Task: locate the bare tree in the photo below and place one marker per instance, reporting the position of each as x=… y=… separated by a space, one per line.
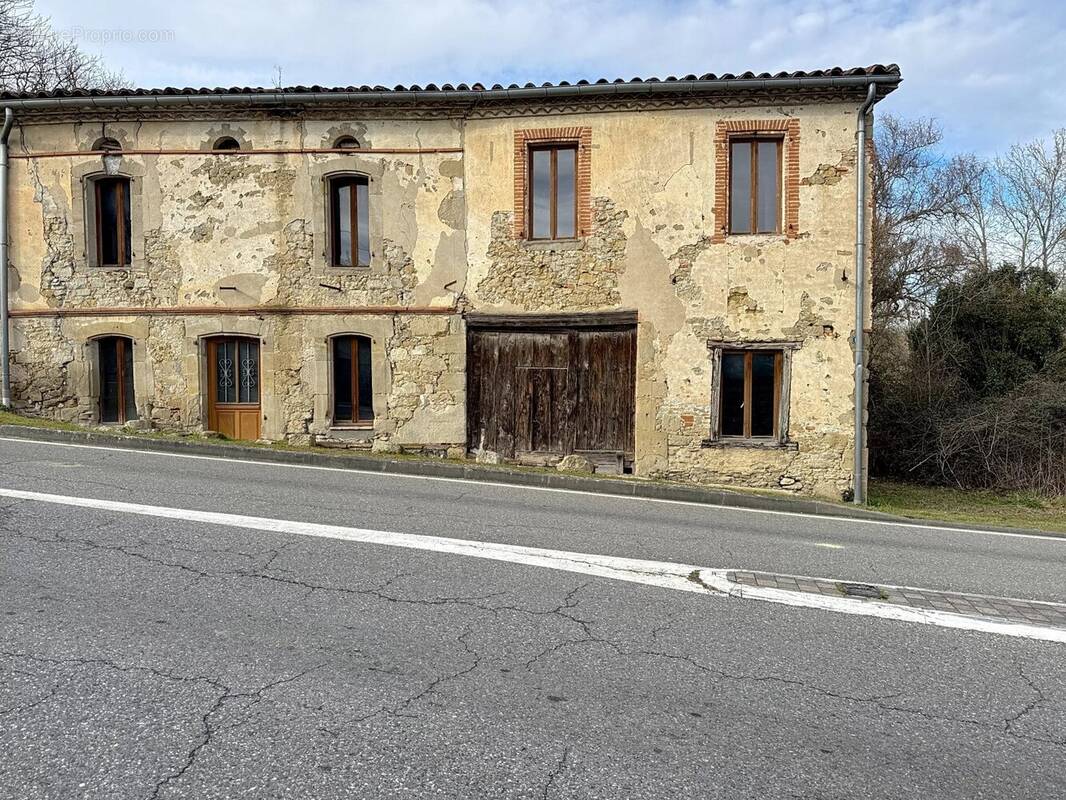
x=971 y=235
x=34 y=57
x=1032 y=202
x=911 y=197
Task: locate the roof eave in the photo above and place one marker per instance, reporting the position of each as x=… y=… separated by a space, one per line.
x=402 y=97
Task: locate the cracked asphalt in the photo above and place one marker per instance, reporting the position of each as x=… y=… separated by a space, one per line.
x=153 y=658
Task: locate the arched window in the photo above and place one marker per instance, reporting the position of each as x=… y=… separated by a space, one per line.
x=111 y=206
x=353 y=389
x=349 y=221
x=346 y=143
x=226 y=143
x=115 y=359
x=107 y=145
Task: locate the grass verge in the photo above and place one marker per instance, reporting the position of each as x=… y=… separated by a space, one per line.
x=1007 y=509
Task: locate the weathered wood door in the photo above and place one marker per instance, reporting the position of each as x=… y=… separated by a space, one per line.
x=233 y=396
x=551 y=386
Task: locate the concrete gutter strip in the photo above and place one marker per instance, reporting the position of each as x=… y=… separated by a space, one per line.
x=628 y=487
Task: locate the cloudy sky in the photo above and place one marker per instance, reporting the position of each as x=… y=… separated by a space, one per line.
x=991 y=71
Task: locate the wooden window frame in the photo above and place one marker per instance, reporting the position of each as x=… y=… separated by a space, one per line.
x=754 y=140
x=748 y=354
x=784 y=351
x=356 y=421
x=352 y=181
x=122 y=185
x=553 y=186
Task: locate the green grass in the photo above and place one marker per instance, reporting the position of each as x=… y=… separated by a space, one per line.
x=8 y=418
x=1013 y=509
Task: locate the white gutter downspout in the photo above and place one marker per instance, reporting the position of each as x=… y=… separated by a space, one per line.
x=5 y=352
x=858 y=482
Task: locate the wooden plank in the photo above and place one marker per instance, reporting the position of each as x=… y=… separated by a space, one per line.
x=475 y=345
x=524 y=409
x=544 y=322
x=505 y=380
x=559 y=391
x=628 y=388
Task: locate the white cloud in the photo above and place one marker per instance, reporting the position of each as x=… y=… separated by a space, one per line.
x=990 y=71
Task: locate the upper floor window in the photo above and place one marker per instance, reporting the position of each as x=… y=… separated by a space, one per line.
x=553 y=191
x=349 y=221
x=346 y=143
x=112 y=207
x=115 y=357
x=755 y=185
x=226 y=143
x=353 y=390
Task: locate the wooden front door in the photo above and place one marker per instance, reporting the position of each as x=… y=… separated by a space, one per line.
x=541 y=386
x=233 y=395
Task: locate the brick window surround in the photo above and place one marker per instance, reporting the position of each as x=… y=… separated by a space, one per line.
x=723 y=132
x=582 y=137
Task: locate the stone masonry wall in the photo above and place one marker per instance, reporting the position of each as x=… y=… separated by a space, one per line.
x=244 y=230
x=247 y=230
x=662 y=249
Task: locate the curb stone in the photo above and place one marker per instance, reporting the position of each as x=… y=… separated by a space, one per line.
x=630 y=487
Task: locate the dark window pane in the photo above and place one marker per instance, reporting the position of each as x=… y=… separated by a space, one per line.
x=366 y=388
x=564 y=193
x=249 y=371
x=126 y=249
x=767 y=202
x=740 y=187
x=113 y=221
x=762 y=393
x=127 y=381
x=541 y=193
x=109 y=380
x=342 y=224
x=363 y=213
x=108 y=209
x=732 y=394
x=342 y=379
x=226 y=372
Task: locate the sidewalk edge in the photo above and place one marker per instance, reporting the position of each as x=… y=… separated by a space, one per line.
x=628 y=487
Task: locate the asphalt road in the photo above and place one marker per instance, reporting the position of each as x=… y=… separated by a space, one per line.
x=144 y=657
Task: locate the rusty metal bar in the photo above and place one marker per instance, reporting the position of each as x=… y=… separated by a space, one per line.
x=208 y=311
x=265 y=152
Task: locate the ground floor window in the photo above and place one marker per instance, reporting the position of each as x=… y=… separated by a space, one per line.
x=117 y=401
x=750 y=392
x=353 y=391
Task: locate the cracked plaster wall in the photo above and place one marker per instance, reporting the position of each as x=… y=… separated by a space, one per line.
x=235 y=231
x=651 y=250
x=245 y=230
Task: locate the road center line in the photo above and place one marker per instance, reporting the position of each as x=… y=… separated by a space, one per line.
x=663 y=574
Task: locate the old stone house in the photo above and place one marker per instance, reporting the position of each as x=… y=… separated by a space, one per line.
x=656 y=275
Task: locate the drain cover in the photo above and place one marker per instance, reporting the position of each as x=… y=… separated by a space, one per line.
x=859 y=590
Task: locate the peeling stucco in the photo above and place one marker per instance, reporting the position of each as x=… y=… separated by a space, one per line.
x=248 y=230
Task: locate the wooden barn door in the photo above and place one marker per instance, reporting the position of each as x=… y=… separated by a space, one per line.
x=542 y=387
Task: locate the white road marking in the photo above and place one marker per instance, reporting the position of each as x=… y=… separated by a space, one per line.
x=716 y=579
x=663 y=574
x=906 y=525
